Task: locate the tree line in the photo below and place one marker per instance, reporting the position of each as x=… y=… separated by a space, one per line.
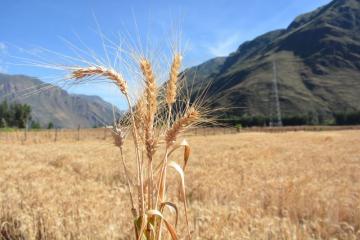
x=16 y=115
x=341 y=118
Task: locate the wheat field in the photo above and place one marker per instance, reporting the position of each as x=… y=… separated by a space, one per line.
x=291 y=185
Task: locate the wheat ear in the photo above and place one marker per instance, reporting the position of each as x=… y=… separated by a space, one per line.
x=173 y=76
x=140 y=115
x=190 y=117
x=101 y=71
x=151 y=99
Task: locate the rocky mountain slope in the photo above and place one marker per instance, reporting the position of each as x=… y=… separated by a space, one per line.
x=55 y=104
x=317 y=61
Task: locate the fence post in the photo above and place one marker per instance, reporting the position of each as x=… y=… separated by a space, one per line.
x=78 y=133
x=25 y=133
x=56 y=133
x=105 y=133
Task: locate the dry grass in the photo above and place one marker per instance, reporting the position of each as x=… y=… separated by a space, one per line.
x=295 y=185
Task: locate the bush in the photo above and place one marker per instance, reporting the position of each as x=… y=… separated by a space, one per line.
x=295 y=121
x=35 y=125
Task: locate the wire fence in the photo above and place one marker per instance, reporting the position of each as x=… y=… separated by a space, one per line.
x=75 y=135
x=54 y=135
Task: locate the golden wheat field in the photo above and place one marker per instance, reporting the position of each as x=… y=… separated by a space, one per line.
x=291 y=185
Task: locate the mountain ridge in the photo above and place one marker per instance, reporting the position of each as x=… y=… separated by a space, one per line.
x=318 y=65
x=55 y=105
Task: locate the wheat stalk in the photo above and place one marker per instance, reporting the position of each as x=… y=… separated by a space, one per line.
x=151 y=98
x=119 y=136
x=144 y=117
x=84 y=72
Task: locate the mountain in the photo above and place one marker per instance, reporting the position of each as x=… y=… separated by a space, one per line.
x=317 y=66
x=55 y=104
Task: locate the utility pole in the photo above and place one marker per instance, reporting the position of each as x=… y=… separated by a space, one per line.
x=276 y=98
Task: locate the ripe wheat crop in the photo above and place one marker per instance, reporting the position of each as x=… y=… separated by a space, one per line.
x=293 y=185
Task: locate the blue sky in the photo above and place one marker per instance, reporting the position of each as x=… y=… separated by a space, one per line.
x=210 y=28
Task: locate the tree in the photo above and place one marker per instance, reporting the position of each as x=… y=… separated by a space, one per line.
x=50 y=125
x=14 y=114
x=3 y=123
x=4 y=114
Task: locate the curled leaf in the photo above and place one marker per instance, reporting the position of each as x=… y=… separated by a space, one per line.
x=169 y=227
x=179 y=170
x=171 y=206
x=187 y=151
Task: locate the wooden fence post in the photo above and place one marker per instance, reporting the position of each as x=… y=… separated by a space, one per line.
x=105 y=133
x=25 y=133
x=56 y=134
x=78 y=133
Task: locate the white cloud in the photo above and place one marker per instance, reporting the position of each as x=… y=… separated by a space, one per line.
x=225 y=45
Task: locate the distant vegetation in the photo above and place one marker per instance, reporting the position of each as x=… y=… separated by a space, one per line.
x=347 y=118
x=16 y=115
x=344 y=118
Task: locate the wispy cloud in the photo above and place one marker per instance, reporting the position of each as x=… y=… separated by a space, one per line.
x=3 y=47
x=31 y=50
x=3 y=52
x=225 y=45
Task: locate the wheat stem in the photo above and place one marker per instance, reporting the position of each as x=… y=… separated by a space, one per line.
x=133 y=209
x=139 y=165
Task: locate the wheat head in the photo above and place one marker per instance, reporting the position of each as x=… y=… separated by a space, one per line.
x=151 y=99
x=101 y=71
x=190 y=117
x=173 y=76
